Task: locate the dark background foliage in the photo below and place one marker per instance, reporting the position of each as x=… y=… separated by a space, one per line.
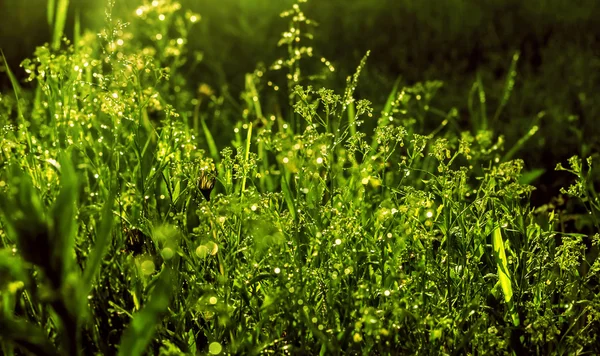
x=451 y=41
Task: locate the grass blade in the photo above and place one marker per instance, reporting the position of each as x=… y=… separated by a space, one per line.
x=503 y=273
x=64 y=217
x=101 y=246
x=509 y=85
x=15 y=84
x=212 y=147
x=482 y=107
x=59 y=23
x=50 y=7
x=141 y=329
x=532 y=131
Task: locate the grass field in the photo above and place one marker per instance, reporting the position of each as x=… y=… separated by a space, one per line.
x=144 y=210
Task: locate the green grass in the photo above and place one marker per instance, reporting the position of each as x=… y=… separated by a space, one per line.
x=320 y=237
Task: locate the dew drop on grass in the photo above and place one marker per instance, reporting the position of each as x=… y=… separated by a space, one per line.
x=277 y=270
x=167 y=253
x=148 y=267
x=213 y=300
x=215 y=348
x=202 y=251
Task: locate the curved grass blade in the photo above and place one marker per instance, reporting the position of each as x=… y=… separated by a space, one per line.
x=503 y=272
x=103 y=237
x=141 y=329
x=212 y=147
x=508 y=85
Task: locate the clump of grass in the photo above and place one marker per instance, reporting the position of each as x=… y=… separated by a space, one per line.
x=320 y=237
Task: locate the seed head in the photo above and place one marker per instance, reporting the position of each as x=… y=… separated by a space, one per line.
x=206 y=181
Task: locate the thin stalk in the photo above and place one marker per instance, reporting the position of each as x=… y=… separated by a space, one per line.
x=247 y=156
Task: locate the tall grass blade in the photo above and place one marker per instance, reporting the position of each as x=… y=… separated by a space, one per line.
x=503 y=272
x=141 y=329
x=64 y=218
x=15 y=85
x=102 y=242
x=77 y=29
x=59 y=23
x=210 y=141
x=482 y=106
x=387 y=109
x=532 y=131
x=50 y=7
x=508 y=85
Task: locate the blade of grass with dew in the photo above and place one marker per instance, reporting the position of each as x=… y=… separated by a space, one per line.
x=212 y=147
x=64 y=216
x=532 y=131
x=387 y=108
x=101 y=244
x=530 y=176
x=59 y=22
x=139 y=333
x=503 y=273
x=17 y=90
x=509 y=85
x=287 y=194
x=351 y=116
x=247 y=156
x=15 y=85
x=255 y=98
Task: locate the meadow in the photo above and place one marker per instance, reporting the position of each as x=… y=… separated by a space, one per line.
x=286 y=210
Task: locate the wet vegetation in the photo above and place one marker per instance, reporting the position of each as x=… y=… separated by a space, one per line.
x=146 y=211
